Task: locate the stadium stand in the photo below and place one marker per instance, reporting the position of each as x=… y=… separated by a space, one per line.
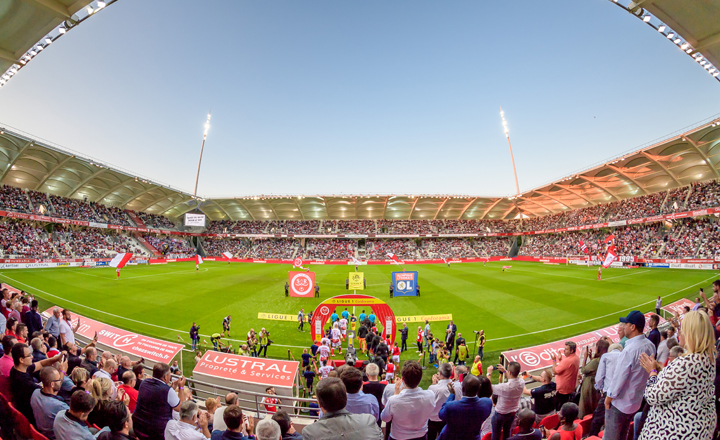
x=217 y=246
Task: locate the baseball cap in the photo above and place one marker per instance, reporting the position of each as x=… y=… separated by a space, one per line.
x=636 y=318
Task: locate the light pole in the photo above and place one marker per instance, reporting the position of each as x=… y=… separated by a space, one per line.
x=202 y=147
x=507 y=135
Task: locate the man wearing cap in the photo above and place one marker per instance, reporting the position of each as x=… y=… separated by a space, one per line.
x=628 y=381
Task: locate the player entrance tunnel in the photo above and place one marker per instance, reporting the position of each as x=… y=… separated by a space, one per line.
x=385 y=315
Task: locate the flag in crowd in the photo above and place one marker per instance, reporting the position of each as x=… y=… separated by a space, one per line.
x=583 y=247
x=610 y=256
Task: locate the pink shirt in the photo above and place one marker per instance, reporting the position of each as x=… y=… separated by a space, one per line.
x=566 y=374
x=6 y=364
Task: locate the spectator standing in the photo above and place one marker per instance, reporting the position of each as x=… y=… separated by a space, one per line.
x=589 y=396
x=681 y=396
x=52 y=325
x=337 y=422
x=185 y=428
x=33 y=321
x=603 y=377
x=128 y=386
x=120 y=422
x=45 y=403
x=658 y=304
x=234 y=422
x=439 y=387
x=543 y=396
x=626 y=389
x=157 y=399
x=464 y=417
x=287 y=430
x=508 y=402
x=71 y=424
x=654 y=335
x=357 y=401
x=566 y=372
x=662 y=350
x=410 y=410
x=67 y=332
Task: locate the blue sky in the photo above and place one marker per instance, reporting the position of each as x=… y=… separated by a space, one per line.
x=365 y=97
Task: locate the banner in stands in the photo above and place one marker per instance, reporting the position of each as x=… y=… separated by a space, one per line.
x=538 y=357
x=151 y=349
x=405 y=283
x=385 y=316
x=302 y=284
x=266 y=372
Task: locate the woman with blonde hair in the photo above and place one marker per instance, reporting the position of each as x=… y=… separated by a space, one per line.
x=102 y=391
x=82 y=380
x=681 y=396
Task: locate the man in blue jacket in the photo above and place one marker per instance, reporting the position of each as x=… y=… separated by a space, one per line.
x=464 y=417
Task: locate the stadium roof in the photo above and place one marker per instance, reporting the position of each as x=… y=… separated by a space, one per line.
x=685 y=157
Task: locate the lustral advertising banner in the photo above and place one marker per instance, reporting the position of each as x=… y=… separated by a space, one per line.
x=139 y=346
x=538 y=357
x=266 y=372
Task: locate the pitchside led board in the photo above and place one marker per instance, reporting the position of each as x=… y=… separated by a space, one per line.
x=405 y=283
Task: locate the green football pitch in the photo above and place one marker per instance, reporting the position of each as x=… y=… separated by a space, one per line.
x=528 y=304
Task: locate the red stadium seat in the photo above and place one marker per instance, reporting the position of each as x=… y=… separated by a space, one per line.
x=487 y=436
x=585 y=423
x=601 y=433
x=516 y=430
x=592 y=438
x=22 y=426
x=551 y=422
x=37 y=435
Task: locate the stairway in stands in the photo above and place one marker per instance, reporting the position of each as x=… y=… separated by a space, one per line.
x=137 y=236
x=135 y=219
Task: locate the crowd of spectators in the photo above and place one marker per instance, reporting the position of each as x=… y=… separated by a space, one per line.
x=403 y=249
x=19 y=239
x=91 y=243
x=704 y=195
x=302 y=226
x=275 y=249
x=637 y=207
x=111 y=214
x=217 y=246
x=40 y=202
x=349 y=226
x=73 y=209
x=433 y=248
x=332 y=249
x=13 y=199
x=171 y=247
x=155 y=221
x=675 y=201
x=492 y=246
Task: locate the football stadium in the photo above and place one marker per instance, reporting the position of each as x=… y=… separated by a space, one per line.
x=585 y=307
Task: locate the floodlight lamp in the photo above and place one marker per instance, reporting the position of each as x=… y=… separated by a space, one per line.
x=677 y=41
x=685 y=45
x=670 y=36
x=646 y=18
x=62 y=30
x=90 y=10
x=100 y=4
x=48 y=40
x=661 y=28
x=32 y=53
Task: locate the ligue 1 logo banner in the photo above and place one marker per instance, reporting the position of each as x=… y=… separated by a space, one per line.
x=302 y=284
x=404 y=283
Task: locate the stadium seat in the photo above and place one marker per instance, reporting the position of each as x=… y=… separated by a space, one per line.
x=601 y=433
x=592 y=438
x=551 y=422
x=487 y=436
x=22 y=426
x=586 y=422
x=36 y=435
x=516 y=430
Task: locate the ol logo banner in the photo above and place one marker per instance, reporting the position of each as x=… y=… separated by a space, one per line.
x=302 y=284
x=404 y=283
x=356 y=281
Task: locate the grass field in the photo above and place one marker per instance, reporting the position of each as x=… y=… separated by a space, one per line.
x=528 y=304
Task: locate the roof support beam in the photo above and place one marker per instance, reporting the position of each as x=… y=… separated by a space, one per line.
x=155 y=202
x=221 y=209
x=666 y=169
x=7 y=55
x=491 y=207
x=55 y=6
x=600 y=187
x=15 y=159
x=114 y=188
x=417 y=198
x=538 y=204
x=50 y=173
x=385 y=206
x=440 y=208
x=245 y=208
x=512 y=208
x=627 y=177
x=704 y=156
x=302 y=214
x=466 y=207
x=577 y=193
x=706 y=42
x=552 y=198
x=133 y=197
x=84 y=181
x=187 y=199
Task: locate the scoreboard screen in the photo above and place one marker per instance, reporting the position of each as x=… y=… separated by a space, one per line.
x=405 y=283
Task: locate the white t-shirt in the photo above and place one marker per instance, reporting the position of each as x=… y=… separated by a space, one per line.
x=324 y=341
x=343 y=324
x=66 y=331
x=335 y=334
x=324 y=351
x=325 y=370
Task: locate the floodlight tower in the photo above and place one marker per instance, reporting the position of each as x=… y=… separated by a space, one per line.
x=512 y=158
x=202 y=147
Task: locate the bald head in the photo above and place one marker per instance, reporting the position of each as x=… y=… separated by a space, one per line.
x=231 y=399
x=110 y=366
x=126 y=362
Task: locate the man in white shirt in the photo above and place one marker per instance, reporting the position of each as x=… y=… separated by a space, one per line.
x=605 y=372
x=184 y=429
x=67 y=332
x=440 y=390
x=663 y=351
x=409 y=410
x=109 y=368
x=658 y=305
x=508 y=402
